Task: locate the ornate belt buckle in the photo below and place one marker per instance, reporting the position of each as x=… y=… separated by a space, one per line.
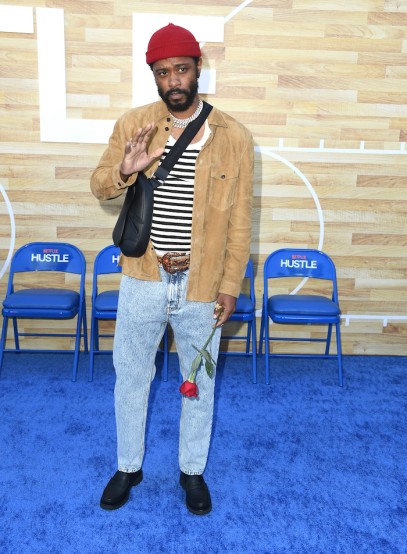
x=166 y=261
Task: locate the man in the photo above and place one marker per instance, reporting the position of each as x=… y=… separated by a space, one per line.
x=194 y=265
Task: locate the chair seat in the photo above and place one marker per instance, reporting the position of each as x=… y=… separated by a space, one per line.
x=244 y=309
x=44 y=299
x=107 y=301
x=302 y=304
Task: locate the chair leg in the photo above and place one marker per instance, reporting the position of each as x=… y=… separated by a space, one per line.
x=266 y=347
x=77 y=345
x=93 y=328
x=16 y=339
x=328 y=339
x=85 y=328
x=254 y=350
x=3 y=340
x=261 y=333
x=339 y=353
x=96 y=334
x=248 y=336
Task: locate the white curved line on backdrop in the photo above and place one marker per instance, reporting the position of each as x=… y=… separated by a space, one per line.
x=237 y=10
x=12 y=234
x=311 y=190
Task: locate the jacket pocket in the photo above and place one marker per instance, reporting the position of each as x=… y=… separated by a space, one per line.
x=222 y=189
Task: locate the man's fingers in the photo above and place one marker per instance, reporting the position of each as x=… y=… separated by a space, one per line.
x=224 y=308
x=219 y=315
x=142 y=134
x=136 y=156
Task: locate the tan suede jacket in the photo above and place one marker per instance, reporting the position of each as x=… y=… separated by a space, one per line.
x=221 y=221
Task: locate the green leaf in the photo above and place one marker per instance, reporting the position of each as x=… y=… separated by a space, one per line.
x=196 y=362
x=207 y=356
x=209 y=368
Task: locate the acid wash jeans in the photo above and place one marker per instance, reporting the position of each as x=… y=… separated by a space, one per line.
x=144 y=309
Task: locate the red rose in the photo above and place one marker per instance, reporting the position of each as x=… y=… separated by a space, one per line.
x=189 y=389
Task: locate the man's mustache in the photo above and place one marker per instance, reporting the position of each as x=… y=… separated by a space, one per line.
x=175 y=91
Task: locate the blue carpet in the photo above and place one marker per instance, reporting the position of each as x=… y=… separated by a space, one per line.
x=299 y=466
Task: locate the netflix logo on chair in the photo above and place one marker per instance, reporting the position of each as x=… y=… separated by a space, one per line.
x=299 y=260
x=50 y=255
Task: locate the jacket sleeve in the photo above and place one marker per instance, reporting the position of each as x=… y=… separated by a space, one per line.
x=105 y=182
x=240 y=224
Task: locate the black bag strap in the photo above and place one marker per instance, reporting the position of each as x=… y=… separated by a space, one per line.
x=176 y=151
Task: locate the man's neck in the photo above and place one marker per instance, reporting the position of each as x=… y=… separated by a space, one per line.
x=187 y=113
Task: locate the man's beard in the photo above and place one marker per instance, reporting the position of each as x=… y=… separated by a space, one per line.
x=179 y=106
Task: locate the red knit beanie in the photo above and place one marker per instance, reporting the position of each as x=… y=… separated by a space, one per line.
x=171 y=42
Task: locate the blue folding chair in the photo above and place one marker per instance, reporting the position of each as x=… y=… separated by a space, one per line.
x=38 y=302
x=104 y=306
x=245 y=312
x=104 y=303
x=301 y=309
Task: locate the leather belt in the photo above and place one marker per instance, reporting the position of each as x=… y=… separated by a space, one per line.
x=173 y=262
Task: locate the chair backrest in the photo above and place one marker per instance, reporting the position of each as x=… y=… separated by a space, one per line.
x=107 y=261
x=47 y=256
x=301 y=262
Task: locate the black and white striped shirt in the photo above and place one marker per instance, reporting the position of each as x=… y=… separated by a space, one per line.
x=173 y=202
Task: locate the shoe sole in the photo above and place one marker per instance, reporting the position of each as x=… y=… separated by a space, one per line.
x=198 y=512
x=111 y=507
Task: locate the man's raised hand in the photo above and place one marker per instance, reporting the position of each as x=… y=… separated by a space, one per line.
x=136 y=157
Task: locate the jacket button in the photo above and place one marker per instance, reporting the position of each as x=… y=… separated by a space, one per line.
x=223 y=176
x=168 y=119
x=167 y=129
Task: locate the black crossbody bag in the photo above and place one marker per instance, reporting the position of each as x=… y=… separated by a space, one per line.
x=133 y=227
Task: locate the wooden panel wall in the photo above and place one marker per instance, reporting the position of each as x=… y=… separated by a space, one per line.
x=321 y=84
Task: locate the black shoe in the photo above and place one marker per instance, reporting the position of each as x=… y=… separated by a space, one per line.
x=198 y=498
x=118 y=488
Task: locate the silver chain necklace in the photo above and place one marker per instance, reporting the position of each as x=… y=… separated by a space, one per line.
x=182 y=123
